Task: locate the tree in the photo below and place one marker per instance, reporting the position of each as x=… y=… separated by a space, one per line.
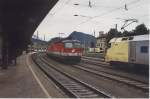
x=140 y=30
x=111 y=34
x=125 y=33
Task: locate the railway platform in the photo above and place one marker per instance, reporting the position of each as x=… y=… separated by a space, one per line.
x=22 y=81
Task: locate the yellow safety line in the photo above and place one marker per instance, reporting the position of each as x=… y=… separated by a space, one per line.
x=37 y=79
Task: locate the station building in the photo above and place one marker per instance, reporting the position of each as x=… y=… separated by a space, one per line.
x=101 y=41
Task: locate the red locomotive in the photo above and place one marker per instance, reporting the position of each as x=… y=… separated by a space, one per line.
x=66 y=50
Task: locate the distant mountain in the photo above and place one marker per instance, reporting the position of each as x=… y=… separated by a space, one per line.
x=55 y=39
x=86 y=39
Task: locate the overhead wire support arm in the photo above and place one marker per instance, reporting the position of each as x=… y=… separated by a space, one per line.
x=127 y=24
x=90 y=5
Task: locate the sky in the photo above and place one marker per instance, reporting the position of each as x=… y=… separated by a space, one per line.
x=99 y=15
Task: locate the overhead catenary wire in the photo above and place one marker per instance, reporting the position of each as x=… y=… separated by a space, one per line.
x=110 y=11
x=59 y=9
x=79 y=10
x=131 y=3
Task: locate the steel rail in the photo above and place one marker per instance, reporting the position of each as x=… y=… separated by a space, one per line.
x=71 y=85
x=132 y=82
x=103 y=65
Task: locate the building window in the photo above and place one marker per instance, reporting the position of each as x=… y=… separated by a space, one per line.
x=144 y=49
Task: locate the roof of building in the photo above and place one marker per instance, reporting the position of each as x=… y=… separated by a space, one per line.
x=102 y=36
x=131 y=38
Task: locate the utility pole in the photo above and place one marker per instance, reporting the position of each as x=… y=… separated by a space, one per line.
x=44 y=37
x=116 y=27
x=61 y=34
x=37 y=39
x=94 y=32
x=116 y=30
x=90 y=5
x=37 y=34
x=94 y=43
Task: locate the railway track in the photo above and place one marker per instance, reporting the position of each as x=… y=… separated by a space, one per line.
x=123 y=79
x=95 y=61
x=93 y=58
x=116 y=77
x=101 y=62
x=115 y=72
x=71 y=85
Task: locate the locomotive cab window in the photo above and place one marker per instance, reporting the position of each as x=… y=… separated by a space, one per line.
x=144 y=49
x=72 y=45
x=77 y=45
x=68 y=45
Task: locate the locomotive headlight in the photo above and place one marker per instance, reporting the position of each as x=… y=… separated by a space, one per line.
x=73 y=50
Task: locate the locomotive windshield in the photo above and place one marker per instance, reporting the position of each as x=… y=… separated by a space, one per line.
x=77 y=45
x=68 y=45
x=72 y=45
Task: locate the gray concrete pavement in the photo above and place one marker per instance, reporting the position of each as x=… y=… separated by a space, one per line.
x=19 y=82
